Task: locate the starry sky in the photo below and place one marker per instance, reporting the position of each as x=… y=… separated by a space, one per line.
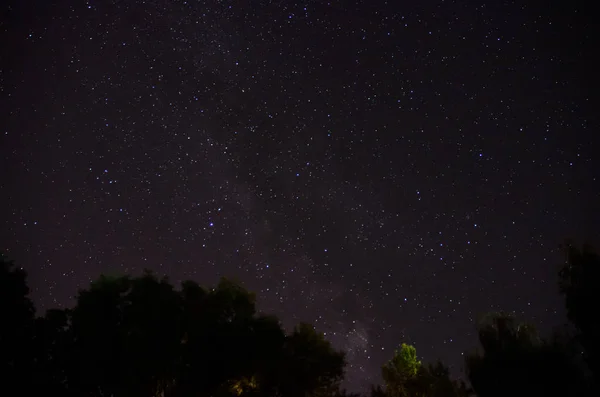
x=385 y=170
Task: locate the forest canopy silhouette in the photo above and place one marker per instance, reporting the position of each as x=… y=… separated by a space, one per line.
x=142 y=336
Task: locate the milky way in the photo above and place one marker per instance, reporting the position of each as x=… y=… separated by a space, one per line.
x=384 y=171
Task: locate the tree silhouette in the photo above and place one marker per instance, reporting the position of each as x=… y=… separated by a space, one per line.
x=400 y=370
x=377 y=391
x=516 y=361
x=227 y=342
x=578 y=283
x=16 y=328
x=52 y=343
x=405 y=376
x=435 y=381
x=310 y=364
x=142 y=337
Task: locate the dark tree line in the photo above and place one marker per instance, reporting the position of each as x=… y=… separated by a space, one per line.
x=141 y=336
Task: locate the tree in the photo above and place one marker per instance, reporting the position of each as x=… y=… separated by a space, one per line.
x=53 y=344
x=224 y=340
x=578 y=283
x=435 y=381
x=309 y=365
x=405 y=376
x=377 y=391
x=142 y=337
x=400 y=370
x=16 y=328
x=516 y=361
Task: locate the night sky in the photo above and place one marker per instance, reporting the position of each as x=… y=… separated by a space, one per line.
x=384 y=170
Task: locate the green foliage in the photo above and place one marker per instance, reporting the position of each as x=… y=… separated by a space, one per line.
x=400 y=370
x=405 y=376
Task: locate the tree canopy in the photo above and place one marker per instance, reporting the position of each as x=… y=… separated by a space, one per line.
x=405 y=376
x=579 y=284
x=17 y=325
x=142 y=336
x=516 y=361
x=139 y=336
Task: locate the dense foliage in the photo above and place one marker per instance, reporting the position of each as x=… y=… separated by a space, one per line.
x=141 y=336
